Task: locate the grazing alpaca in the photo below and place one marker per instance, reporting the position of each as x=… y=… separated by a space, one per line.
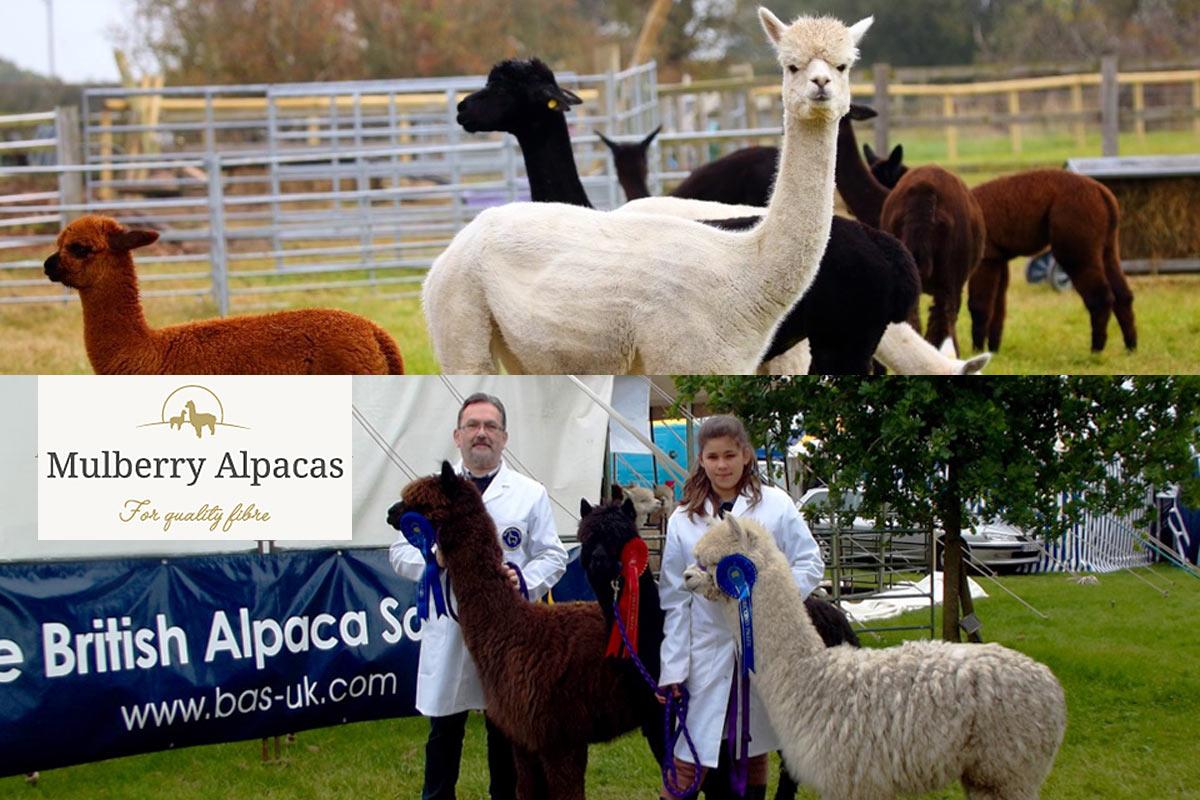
x=1076 y=216
x=875 y=723
x=933 y=213
x=604 y=531
x=201 y=421
x=545 y=681
x=632 y=164
x=93 y=257
x=533 y=284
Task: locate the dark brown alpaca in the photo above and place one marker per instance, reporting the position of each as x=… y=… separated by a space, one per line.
x=631 y=164
x=545 y=680
x=1076 y=216
x=93 y=256
x=932 y=212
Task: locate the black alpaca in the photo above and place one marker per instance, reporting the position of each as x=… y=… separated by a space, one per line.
x=866 y=279
x=603 y=533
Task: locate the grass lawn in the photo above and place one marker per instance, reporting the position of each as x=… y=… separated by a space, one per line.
x=1126 y=656
x=1047 y=332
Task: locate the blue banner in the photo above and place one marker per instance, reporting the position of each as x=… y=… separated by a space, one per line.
x=138 y=655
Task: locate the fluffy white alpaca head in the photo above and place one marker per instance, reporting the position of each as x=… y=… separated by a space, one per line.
x=726 y=537
x=816 y=54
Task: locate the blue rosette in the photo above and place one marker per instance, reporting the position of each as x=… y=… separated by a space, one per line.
x=735 y=577
x=418 y=530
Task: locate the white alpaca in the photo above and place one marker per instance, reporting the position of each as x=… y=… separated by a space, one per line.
x=871 y=724
x=550 y=288
x=902 y=349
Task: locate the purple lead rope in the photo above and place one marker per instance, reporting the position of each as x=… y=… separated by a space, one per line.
x=676 y=708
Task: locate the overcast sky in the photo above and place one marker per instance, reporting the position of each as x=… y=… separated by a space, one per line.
x=82 y=44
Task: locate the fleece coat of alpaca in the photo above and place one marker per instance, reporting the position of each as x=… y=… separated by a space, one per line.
x=872 y=724
x=1075 y=216
x=545 y=681
x=94 y=257
x=603 y=533
x=931 y=211
x=549 y=288
x=1078 y=218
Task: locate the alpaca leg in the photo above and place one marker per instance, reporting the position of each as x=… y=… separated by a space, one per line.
x=1098 y=299
x=1122 y=295
x=942 y=316
x=999 y=309
x=502 y=778
x=531 y=783
x=981 y=299
x=565 y=772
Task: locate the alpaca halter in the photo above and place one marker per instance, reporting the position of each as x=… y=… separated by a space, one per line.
x=418 y=530
x=735 y=577
x=635 y=556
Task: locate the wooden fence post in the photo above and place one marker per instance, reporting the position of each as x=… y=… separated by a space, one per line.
x=1077 y=108
x=882 y=73
x=951 y=128
x=1139 y=108
x=70 y=153
x=1014 y=127
x=1196 y=106
x=1109 y=108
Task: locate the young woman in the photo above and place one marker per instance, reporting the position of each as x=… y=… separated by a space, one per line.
x=698 y=648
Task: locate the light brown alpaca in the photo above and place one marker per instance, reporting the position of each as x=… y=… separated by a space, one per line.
x=93 y=257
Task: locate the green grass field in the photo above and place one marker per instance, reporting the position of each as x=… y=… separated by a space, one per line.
x=1126 y=656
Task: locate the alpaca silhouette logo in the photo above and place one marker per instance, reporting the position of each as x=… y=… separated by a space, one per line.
x=511 y=538
x=199 y=409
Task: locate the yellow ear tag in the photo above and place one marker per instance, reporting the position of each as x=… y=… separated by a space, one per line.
x=553 y=103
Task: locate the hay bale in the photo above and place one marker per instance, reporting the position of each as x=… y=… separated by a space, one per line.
x=1158 y=217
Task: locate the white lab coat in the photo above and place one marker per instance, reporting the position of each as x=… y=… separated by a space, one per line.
x=447 y=679
x=698 y=648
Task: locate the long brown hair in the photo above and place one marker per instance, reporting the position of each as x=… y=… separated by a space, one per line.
x=698 y=493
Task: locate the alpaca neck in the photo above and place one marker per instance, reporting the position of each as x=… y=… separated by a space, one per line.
x=550 y=164
x=791 y=239
x=863 y=195
x=781 y=641
x=634 y=186
x=113 y=322
x=484 y=594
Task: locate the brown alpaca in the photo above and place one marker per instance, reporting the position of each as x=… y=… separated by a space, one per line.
x=1075 y=216
x=932 y=212
x=1078 y=218
x=93 y=257
x=545 y=680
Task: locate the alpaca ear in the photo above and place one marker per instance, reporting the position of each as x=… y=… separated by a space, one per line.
x=773 y=26
x=617 y=492
x=947 y=348
x=607 y=141
x=448 y=478
x=858 y=112
x=646 y=142
x=126 y=240
x=859 y=29
x=627 y=508
x=557 y=94
x=736 y=527
x=897 y=156
x=975 y=365
x=585 y=507
x=870 y=155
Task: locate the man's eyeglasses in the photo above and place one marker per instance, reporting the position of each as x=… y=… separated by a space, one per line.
x=474 y=425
